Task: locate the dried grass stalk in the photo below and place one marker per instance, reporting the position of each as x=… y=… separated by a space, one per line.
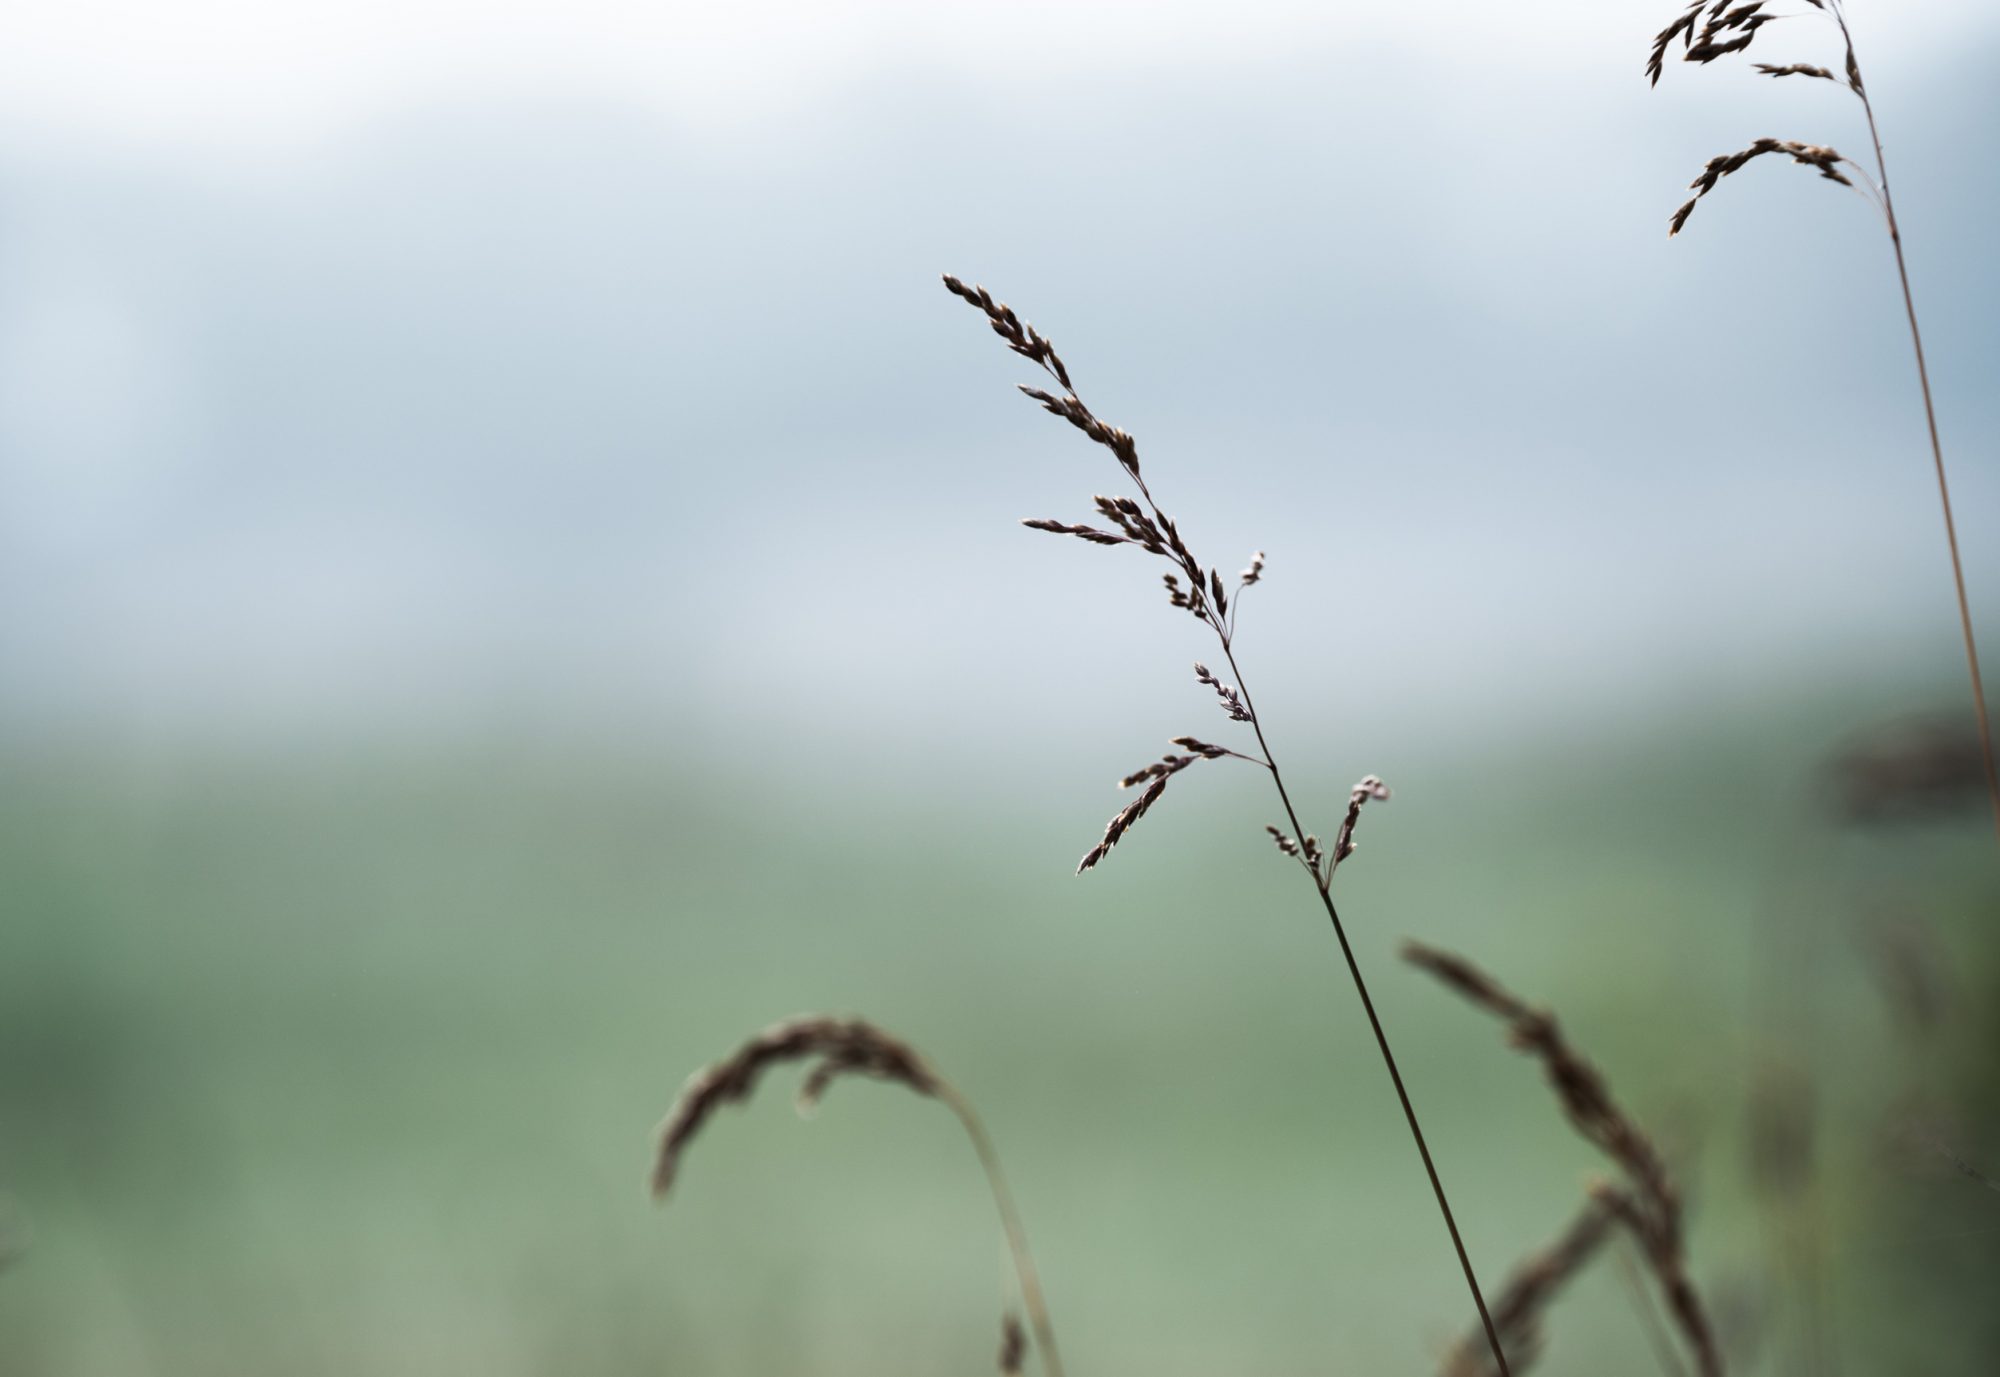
x=1204 y=596
x=1730 y=29
x=852 y=1047
x=841 y=1046
x=1652 y=1208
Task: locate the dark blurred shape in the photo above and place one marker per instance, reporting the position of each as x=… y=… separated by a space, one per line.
x=1905 y=959
x=1922 y=1139
x=1013 y=1343
x=1909 y=770
x=1743 y=1316
x=13 y=1234
x=1781 y=1131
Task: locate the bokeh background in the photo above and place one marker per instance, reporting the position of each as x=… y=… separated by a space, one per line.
x=509 y=583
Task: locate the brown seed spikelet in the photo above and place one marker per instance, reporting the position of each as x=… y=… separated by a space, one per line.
x=1825 y=159
x=1020 y=337
x=844 y=1046
x=1159 y=769
x=1131 y=518
x=1683 y=29
x=1231 y=700
x=1089 y=533
x=1370 y=789
x=1174 y=764
x=1652 y=1210
x=1122 y=824
x=1711 y=44
x=1013 y=1343
x=1072 y=409
x=1803 y=69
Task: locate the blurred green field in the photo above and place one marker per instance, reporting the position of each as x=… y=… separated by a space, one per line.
x=323 y=1065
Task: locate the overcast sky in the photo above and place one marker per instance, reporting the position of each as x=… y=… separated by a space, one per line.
x=210 y=75
x=365 y=365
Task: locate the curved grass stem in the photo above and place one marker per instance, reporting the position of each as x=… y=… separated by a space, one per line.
x=1010 y=1223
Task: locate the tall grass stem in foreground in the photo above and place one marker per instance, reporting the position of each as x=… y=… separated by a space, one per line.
x=1727 y=29
x=843 y=1047
x=1142 y=524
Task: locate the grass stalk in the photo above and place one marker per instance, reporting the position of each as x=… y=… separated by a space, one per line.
x=854 y=1047
x=1650 y=1208
x=1860 y=89
x=1025 y=1275
x=1711 y=31
x=1381 y=1035
x=1141 y=523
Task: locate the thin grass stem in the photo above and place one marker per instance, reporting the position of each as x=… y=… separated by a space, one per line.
x=1375 y=1024
x=1010 y=1224
x=1152 y=530
x=1860 y=89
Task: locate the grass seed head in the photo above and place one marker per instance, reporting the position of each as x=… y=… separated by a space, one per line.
x=1651 y=1208
x=841 y=1046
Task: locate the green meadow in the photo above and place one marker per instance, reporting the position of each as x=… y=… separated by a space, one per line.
x=338 y=1064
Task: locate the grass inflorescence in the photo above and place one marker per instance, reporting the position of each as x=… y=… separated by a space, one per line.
x=1204 y=593
x=839 y=1047
x=1711 y=29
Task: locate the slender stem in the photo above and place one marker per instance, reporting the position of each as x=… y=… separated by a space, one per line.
x=1930 y=416
x=1223 y=630
x=1647 y=1311
x=1010 y=1223
x=1374 y=1022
